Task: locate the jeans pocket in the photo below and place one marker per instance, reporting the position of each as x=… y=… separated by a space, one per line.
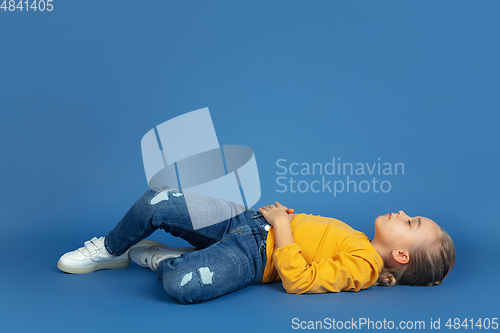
x=242 y=230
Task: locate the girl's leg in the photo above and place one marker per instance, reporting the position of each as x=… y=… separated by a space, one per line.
x=168 y=210
x=225 y=266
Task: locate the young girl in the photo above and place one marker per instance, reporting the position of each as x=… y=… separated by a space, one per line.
x=308 y=253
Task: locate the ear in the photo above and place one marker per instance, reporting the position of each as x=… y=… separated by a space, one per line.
x=401 y=256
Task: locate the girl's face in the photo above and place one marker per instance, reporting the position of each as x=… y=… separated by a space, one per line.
x=399 y=232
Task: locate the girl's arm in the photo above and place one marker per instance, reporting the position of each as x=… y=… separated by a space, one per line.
x=353 y=269
x=278 y=217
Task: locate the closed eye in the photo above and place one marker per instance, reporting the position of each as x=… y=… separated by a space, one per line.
x=409 y=222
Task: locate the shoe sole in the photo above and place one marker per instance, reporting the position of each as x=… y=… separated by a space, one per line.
x=92 y=268
x=165 y=247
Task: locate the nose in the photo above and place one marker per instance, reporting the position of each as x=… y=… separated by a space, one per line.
x=402 y=214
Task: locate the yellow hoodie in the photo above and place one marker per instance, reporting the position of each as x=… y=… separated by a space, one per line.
x=327 y=256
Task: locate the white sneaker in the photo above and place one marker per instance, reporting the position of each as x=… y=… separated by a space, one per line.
x=91 y=257
x=149 y=253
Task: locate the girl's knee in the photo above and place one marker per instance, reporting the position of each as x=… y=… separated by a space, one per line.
x=183 y=288
x=148 y=195
x=190 y=285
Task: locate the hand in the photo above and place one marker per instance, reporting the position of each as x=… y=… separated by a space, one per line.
x=288 y=210
x=276 y=213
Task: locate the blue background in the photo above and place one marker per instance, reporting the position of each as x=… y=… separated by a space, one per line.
x=406 y=82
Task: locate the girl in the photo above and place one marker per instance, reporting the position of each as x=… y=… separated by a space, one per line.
x=308 y=253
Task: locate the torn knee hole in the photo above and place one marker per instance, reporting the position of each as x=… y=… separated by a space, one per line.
x=206 y=277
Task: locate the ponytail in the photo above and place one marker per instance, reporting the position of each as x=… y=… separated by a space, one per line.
x=386 y=278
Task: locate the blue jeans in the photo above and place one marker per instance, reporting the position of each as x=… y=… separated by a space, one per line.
x=229 y=255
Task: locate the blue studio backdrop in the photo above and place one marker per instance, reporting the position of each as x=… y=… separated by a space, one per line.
x=410 y=86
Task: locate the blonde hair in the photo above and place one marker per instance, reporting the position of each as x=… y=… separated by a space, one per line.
x=428 y=265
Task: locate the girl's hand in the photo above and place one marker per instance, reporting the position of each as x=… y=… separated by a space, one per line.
x=275 y=214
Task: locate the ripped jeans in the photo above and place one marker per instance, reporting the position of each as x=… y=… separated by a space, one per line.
x=229 y=256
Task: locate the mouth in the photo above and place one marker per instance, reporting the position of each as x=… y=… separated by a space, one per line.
x=389 y=215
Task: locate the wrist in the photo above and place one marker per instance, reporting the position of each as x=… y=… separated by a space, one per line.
x=281 y=221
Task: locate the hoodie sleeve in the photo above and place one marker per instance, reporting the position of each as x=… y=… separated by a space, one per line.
x=348 y=271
